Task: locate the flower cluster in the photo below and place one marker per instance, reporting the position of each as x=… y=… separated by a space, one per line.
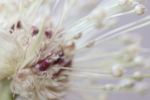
x=52 y=47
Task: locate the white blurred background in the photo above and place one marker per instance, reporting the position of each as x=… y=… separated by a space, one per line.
x=145 y=33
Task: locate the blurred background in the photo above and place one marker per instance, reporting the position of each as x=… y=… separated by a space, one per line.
x=145 y=33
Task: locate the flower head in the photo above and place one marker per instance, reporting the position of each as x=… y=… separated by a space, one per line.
x=47 y=50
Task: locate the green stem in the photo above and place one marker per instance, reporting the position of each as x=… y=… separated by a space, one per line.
x=5 y=93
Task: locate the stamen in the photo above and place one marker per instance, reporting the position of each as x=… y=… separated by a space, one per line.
x=61 y=18
x=126 y=31
x=121 y=28
x=114 y=6
x=121 y=14
x=84 y=70
x=118 y=29
x=19 y=24
x=48 y=34
x=85 y=58
x=60 y=55
x=53 y=93
x=35 y=31
x=32 y=9
x=32 y=50
x=55 y=6
x=103 y=76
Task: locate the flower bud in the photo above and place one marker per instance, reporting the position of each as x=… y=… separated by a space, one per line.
x=141 y=88
x=109 y=87
x=138 y=76
x=90 y=44
x=147 y=63
x=139 y=60
x=134 y=49
x=70 y=45
x=135 y=4
x=125 y=57
x=139 y=0
x=117 y=70
x=98 y=15
x=103 y=96
x=129 y=39
x=125 y=3
x=112 y=23
x=140 y=9
x=127 y=83
x=78 y=36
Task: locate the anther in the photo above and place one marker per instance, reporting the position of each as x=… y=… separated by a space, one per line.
x=140 y=9
x=117 y=70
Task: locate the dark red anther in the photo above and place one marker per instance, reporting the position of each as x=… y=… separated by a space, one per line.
x=48 y=34
x=60 y=53
x=12 y=28
x=43 y=65
x=60 y=59
x=35 y=32
x=19 y=24
x=50 y=54
x=68 y=64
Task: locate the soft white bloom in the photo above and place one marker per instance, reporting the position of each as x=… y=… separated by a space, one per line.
x=140 y=9
x=52 y=47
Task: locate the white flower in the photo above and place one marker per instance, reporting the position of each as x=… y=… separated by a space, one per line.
x=50 y=47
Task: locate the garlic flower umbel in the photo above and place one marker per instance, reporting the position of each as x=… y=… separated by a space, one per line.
x=49 y=47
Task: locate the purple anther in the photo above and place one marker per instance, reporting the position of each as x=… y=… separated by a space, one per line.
x=60 y=59
x=48 y=34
